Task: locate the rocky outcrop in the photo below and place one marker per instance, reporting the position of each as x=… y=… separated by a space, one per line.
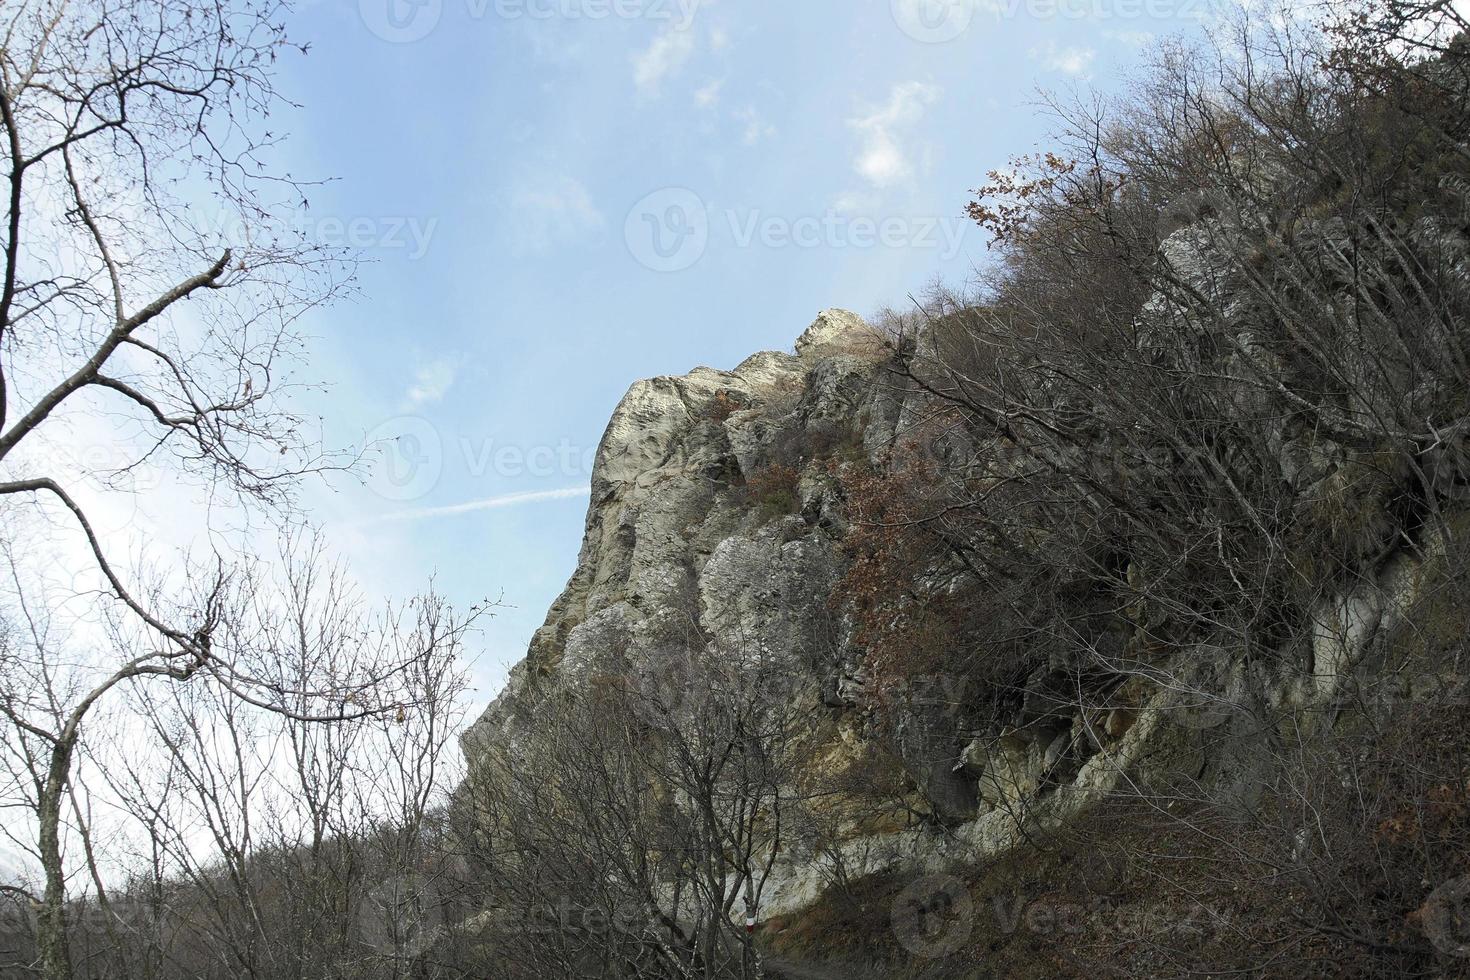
x=713 y=511
x=716 y=514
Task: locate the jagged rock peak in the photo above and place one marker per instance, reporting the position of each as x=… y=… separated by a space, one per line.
x=677 y=536
x=838 y=330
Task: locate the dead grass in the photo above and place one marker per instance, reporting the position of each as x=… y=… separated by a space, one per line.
x=1127 y=893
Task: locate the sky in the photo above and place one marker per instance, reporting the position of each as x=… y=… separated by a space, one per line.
x=556 y=198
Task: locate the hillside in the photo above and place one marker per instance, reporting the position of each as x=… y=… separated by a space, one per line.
x=1107 y=616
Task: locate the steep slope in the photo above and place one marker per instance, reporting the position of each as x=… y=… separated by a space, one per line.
x=718 y=512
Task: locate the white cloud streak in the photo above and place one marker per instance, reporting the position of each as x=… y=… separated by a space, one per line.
x=553 y=212
x=755 y=127
x=709 y=96
x=663 y=59
x=1068 y=61
x=430 y=384
x=489 y=503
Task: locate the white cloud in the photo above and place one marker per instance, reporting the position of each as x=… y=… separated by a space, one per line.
x=1133 y=39
x=430 y=383
x=709 y=96
x=719 y=39
x=665 y=57
x=1070 y=60
x=489 y=503
x=883 y=158
x=553 y=212
x=756 y=128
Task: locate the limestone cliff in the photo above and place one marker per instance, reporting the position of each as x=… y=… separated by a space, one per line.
x=674 y=535
x=717 y=508
x=1138 y=573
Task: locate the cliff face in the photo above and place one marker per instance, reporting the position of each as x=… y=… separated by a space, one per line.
x=717 y=513
x=716 y=529
x=677 y=538
x=1152 y=553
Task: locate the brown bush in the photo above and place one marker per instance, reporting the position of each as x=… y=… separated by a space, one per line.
x=722 y=406
x=774 y=490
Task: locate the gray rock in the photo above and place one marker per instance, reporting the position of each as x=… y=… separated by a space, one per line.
x=671 y=548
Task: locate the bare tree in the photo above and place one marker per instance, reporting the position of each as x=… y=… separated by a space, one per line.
x=635 y=828
x=255 y=841
x=149 y=287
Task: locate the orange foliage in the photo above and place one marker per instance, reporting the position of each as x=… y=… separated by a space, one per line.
x=902 y=633
x=723 y=406
x=1004 y=206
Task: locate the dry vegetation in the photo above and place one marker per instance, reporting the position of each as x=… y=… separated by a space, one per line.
x=1213 y=385
x=1215 y=381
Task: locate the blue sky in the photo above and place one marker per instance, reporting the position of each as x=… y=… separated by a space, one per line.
x=558 y=197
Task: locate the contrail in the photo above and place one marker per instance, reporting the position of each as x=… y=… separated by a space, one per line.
x=489 y=503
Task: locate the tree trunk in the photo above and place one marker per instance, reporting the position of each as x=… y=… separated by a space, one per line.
x=51 y=934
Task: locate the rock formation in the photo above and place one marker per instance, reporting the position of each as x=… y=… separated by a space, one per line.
x=717 y=511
